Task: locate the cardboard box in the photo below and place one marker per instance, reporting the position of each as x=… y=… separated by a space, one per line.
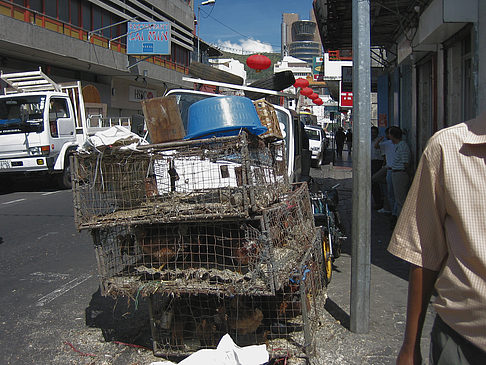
x=163 y=119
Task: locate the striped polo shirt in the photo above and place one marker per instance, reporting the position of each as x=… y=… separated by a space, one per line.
x=402 y=156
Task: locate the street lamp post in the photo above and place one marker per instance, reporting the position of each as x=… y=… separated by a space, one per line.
x=207 y=2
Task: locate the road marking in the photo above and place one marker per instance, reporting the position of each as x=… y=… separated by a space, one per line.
x=51 y=192
x=62 y=290
x=47 y=234
x=14 y=201
x=49 y=276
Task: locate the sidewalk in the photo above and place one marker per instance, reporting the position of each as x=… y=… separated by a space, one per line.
x=388 y=295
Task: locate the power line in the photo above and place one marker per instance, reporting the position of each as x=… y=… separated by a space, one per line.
x=208 y=15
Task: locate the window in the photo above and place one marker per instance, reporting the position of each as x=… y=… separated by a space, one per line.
x=63 y=10
x=106 y=21
x=75 y=13
x=86 y=16
x=96 y=16
x=36 y=5
x=57 y=109
x=51 y=8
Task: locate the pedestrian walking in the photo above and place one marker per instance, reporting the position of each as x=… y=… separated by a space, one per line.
x=441 y=233
x=401 y=169
x=340 y=138
x=376 y=165
x=349 y=140
x=384 y=176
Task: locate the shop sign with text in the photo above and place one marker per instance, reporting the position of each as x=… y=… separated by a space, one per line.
x=139 y=93
x=148 y=38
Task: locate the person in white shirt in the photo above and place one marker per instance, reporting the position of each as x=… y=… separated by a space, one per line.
x=376 y=165
x=387 y=149
x=400 y=168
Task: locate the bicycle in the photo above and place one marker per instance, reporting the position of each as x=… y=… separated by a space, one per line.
x=326 y=216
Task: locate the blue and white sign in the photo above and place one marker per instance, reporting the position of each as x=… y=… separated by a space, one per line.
x=148 y=38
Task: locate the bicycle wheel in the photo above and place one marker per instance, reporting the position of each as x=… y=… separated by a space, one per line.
x=326 y=249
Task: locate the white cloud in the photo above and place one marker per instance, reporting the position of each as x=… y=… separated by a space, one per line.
x=246 y=46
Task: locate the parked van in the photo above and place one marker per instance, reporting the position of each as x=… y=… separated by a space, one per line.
x=318 y=143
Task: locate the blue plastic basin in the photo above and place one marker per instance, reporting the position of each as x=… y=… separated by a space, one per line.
x=222 y=116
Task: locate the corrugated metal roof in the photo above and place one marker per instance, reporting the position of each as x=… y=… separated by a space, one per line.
x=389 y=19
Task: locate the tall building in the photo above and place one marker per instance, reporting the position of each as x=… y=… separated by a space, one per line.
x=300 y=38
x=87 y=40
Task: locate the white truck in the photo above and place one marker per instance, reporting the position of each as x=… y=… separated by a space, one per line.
x=292 y=130
x=41 y=125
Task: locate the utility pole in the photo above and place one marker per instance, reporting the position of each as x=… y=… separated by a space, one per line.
x=208 y=2
x=361 y=225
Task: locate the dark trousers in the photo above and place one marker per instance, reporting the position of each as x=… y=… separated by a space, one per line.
x=376 y=165
x=339 y=149
x=447 y=347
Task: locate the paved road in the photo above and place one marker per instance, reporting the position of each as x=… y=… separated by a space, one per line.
x=49 y=288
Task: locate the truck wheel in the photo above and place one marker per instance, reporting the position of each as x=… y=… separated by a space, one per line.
x=276 y=82
x=64 y=179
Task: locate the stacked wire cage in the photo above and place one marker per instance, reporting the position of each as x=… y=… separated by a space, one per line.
x=211 y=226
x=217 y=178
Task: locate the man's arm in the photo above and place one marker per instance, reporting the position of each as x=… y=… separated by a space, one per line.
x=420 y=285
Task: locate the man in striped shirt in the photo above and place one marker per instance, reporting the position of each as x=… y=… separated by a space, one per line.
x=400 y=168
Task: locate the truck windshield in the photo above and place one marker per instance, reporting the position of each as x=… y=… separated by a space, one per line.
x=313 y=134
x=22 y=114
x=284 y=121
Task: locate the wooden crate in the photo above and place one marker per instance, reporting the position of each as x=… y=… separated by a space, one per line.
x=269 y=119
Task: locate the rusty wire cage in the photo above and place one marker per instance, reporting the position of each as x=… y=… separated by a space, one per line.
x=218 y=178
x=285 y=321
x=251 y=256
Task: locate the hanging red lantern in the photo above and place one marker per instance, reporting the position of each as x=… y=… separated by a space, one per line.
x=313 y=96
x=318 y=101
x=306 y=91
x=258 y=62
x=301 y=83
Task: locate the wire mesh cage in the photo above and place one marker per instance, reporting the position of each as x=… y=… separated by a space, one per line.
x=285 y=322
x=221 y=178
x=250 y=256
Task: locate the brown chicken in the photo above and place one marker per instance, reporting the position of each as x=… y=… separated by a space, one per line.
x=159 y=243
x=206 y=332
x=246 y=253
x=243 y=319
x=177 y=332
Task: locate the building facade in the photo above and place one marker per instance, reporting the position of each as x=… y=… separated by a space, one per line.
x=86 y=40
x=434 y=57
x=300 y=38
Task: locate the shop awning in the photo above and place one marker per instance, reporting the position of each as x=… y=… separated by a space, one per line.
x=389 y=20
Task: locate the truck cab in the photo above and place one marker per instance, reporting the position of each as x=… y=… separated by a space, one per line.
x=41 y=124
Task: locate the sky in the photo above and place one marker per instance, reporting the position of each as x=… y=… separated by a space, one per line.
x=248 y=25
